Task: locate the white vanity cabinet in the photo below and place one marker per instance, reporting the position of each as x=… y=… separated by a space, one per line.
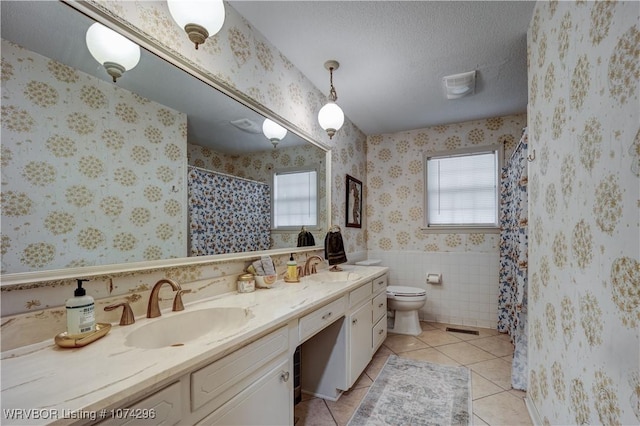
x=251 y=386
x=334 y=358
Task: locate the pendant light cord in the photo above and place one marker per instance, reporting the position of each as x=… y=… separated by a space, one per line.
x=333 y=96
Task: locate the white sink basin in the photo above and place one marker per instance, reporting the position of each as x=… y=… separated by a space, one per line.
x=180 y=328
x=342 y=276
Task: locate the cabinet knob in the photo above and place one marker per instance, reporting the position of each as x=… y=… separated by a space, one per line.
x=284 y=376
x=325 y=316
x=355 y=321
x=380 y=305
x=381 y=331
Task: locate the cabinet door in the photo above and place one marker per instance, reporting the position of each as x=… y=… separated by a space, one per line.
x=360 y=341
x=269 y=401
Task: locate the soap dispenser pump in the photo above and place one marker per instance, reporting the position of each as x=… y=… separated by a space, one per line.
x=81 y=318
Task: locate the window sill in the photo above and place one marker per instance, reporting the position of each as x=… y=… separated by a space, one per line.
x=460 y=229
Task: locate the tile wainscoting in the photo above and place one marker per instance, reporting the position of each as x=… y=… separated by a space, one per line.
x=468 y=294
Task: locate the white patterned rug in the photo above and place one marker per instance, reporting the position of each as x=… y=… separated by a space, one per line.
x=409 y=392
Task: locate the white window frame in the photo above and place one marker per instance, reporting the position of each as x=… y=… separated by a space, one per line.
x=498 y=151
x=306 y=169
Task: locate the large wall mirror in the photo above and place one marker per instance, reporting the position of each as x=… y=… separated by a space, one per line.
x=99 y=173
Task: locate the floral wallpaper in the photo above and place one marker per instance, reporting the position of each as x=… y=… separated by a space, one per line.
x=584 y=270
x=87 y=169
x=259 y=166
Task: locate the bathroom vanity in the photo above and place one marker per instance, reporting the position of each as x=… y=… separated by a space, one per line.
x=241 y=374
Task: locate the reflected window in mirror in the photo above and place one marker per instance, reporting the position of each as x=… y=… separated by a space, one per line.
x=295 y=199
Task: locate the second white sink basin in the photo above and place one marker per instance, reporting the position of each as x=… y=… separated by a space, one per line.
x=180 y=328
x=335 y=276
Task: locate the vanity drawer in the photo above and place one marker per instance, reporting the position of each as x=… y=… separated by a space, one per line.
x=358 y=295
x=320 y=318
x=163 y=407
x=379 y=333
x=219 y=381
x=379 y=306
x=380 y=284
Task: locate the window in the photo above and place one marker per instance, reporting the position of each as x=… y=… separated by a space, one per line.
x=462 y=188
x=295 y=199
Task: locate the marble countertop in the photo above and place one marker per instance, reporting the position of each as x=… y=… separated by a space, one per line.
x=107 y=373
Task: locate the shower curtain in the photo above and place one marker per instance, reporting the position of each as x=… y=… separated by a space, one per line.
x=512 y=303
x=227 y=214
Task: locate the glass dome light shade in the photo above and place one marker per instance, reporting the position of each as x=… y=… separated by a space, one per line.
x=331 y=118
x=273 y=131
x=107 y=45
x=205 y=13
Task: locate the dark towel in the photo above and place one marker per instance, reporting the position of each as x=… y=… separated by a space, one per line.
x=334 y=248
x=305 y=239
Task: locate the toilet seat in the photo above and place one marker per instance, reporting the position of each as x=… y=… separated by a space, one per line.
x=405 y=293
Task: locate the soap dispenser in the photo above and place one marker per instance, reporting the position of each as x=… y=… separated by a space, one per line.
x=292 y=270
x=81 y=318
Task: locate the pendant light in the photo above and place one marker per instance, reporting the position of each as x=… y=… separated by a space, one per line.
x=331 y=116
x=200 y=18
x=115 y=52
x=273 y=131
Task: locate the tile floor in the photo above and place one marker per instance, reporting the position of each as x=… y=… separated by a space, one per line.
x=488 y=355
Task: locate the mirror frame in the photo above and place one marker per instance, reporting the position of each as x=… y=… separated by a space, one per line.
x=123 y=27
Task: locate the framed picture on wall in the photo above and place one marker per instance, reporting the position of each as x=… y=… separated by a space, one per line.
x=354 y=202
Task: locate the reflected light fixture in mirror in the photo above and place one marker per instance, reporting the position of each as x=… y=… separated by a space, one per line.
x=273 y=131
x=331 y=116
x=116 y=53
x=200 y=19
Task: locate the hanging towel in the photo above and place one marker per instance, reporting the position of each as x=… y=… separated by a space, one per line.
x=305 y=239
x=334 y=247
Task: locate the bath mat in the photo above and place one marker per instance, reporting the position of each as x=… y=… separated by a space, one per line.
x=409 y=392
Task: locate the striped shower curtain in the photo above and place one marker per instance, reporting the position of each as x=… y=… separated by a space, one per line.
x=227 y=214
x=512 y=303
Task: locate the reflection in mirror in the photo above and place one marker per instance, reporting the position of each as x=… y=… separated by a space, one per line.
x=97 y=173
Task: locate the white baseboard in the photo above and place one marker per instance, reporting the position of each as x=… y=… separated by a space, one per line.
x=533 y=411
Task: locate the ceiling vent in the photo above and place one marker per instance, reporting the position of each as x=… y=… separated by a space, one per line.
x=247 y=125
x=459 y=85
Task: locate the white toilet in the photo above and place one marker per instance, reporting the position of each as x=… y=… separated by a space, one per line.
x=405 y=302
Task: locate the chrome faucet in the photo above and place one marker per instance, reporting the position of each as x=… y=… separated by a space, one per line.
x=313 y=270
x=153 y=309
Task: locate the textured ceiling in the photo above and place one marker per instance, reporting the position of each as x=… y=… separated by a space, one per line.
x=393 y=55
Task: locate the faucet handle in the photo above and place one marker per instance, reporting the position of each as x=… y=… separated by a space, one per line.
x=177 y=301
x=127 y=317
x=300 y=270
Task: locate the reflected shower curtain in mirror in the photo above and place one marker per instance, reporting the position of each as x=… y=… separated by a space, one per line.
x=512 y=303
x=227 y=214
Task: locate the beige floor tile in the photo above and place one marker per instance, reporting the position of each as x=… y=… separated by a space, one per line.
x=465 y=353
x=502 y=409
x=495 y=345
x=482 y=387
x=429 y=355
x=427 y=325
x=346 y=405
x=383 y=351
x=313 y=412
x=496 y=370
x=375 y=366
x=402 y=343
x=437 y=337
x=518 y=393
x=508 y=358
x=478 y=421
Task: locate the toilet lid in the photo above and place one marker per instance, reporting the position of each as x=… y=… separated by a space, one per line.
x=398 y=290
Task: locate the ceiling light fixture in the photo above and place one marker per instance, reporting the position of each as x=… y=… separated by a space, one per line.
x=273 y=131
x=331 y=116
x=459 y=85
x=200 y=19
x=115 y=52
